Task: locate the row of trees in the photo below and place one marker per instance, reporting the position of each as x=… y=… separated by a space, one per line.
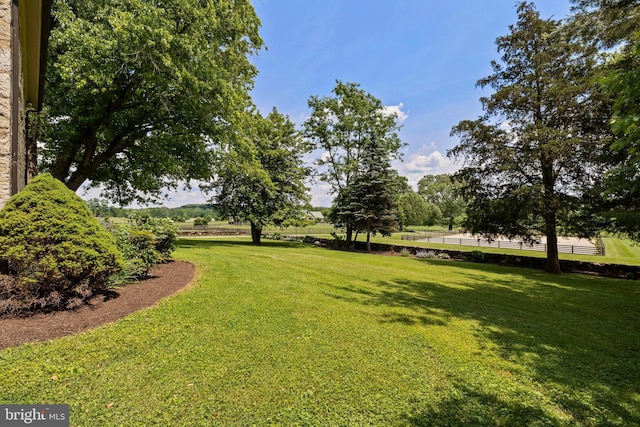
x=142 y=96
x=102 y=208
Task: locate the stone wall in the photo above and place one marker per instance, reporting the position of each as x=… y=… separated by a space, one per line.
x=5 y=101
x=7 y=114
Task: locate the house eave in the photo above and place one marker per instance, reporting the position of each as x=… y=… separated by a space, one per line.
x=34 y=18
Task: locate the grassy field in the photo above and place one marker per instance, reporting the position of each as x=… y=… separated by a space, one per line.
x=294 y=334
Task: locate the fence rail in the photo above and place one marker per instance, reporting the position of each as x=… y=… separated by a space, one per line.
x=501 y=244
x=245 y=230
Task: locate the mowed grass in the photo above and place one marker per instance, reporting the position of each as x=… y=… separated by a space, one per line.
x=293 y=334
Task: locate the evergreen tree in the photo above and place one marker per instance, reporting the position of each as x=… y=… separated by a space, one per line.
x=370 y=202
x=343 y=126
x=526 y=171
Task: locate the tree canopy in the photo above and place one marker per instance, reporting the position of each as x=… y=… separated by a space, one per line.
x=539 y=145
x=615 y=26
x=342 y=126
x=442 y=191
x=263 y=180
x=413 y=209
x=137 y=90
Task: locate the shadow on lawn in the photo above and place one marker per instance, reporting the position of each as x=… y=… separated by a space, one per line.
x=575 y=335
x=474 y=408
x=235 y=242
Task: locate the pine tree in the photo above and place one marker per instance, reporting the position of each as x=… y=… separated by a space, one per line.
x=371 y=202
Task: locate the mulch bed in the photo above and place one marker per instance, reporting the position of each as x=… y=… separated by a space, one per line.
x=165 y=280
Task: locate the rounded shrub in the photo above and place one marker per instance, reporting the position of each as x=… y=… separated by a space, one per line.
x=55 y=249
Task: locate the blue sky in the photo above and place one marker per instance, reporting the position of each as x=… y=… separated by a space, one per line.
x=421 y=56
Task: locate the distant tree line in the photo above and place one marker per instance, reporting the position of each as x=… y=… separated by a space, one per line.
x=102 y=208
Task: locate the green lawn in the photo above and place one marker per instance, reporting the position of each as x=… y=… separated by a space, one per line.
x=293 y=334
x=621 y=248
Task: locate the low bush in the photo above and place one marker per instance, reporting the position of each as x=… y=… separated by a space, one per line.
x=163 y=230
x=56 y=251
x=144 y=242
x=204 y=221
x=478 y=256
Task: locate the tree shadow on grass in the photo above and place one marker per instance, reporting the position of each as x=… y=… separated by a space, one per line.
x=575 y=335
x=235 y=242
x=469 y=407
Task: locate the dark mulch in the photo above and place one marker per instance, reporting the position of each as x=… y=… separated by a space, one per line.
x=166 y=279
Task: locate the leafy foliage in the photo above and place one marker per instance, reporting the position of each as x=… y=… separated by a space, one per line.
x=442 y=191
x=342 y=126
x=137 y=90
x=526 y=171
x=57 y=251
x=262 y=178
x=615 y=27
x=144 y=242
x=414 y=210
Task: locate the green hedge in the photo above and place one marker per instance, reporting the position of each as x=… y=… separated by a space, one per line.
x=57 y=252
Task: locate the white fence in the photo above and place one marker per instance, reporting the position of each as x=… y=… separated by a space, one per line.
x=501 y=244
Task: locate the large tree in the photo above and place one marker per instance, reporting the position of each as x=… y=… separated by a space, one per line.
x=614 y=26
x=138 y=89
x=415 y=210
x=262 y=179
x=370 y=202
x=441 y=190
x=539 y=145
x=341 y=126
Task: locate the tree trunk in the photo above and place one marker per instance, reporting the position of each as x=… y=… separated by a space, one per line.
x=349 y=233
x=368 y=241
x=549 y=215
x=553 y=263
x=256 y=233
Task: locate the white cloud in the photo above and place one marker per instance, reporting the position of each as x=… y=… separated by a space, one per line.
x=426 y=161
x=397 y=110
x=325 y=156
x=321 y=194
